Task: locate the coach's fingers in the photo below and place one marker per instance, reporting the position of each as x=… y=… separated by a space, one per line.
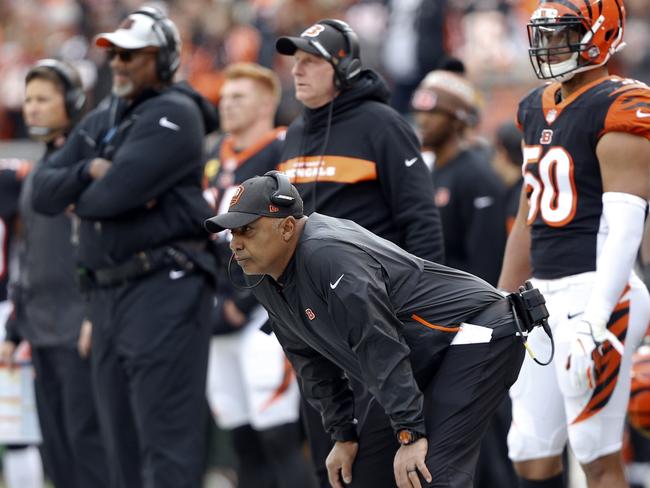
x=339 y=463
x=334 y=478
x=84 y=343
x=414 y=479
x=7 y=350
x=346 y=472
x=425 y=471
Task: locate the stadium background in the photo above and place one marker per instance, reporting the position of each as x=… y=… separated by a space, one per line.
x=489 y=36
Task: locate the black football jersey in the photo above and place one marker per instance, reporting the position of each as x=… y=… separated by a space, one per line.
x=227 y=168
x=561 y=169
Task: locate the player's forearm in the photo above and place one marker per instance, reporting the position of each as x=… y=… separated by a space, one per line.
x=516 y=267
x=625 y=215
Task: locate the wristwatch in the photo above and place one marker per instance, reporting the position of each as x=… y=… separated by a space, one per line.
x=406 y=437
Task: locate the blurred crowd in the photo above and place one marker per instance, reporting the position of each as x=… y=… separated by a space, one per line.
x=402 y=39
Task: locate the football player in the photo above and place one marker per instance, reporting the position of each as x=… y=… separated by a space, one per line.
x=586 y=151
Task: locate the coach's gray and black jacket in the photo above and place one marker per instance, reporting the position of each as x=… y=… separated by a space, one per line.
x=352 y=304
x=48 y=306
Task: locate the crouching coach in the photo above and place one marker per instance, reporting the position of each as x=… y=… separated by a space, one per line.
x=437 y=348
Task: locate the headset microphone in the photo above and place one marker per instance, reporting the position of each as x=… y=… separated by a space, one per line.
x=37 y=131
x=232 y=281
x=42 y=133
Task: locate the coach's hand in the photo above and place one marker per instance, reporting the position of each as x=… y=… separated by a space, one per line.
x=98 y=168
x=339 y=463
x=232 y=314
x=408 y=461
x=7 y=350
x=84 y=343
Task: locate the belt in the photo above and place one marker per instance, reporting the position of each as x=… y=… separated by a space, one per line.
x=146 y=262
x=140 y=264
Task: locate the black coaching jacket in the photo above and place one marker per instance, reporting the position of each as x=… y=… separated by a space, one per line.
x=151 y=196
x=48 y=306
x=352 y=304
x=366 y=167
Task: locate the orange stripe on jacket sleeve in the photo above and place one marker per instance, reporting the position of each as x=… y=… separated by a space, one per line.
x=337 y=169
x=434 y=326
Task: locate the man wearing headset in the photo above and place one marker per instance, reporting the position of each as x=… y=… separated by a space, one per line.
x=132 y=173
x=252 y=389
x=48 y=308
x=352 y=156
x=582 y=209
x=436 y=347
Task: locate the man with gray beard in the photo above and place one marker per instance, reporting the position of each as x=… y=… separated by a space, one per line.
x=132 y=173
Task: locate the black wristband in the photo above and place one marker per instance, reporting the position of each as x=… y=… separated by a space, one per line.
x=346 y=434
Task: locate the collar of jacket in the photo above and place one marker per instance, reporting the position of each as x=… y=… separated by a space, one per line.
x=124 y=107
x=52 y=145
x=286 y=278
x=369 y=86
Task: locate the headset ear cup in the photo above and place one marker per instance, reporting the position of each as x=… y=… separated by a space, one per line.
x=168 y=57
x=348 y=67
x=282 y=196
x=76 y=103
x=347 y=70
x=162 y=58
x=354 y=68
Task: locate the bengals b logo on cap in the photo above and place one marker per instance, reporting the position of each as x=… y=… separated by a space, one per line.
x=313 y=31
x=239 y=191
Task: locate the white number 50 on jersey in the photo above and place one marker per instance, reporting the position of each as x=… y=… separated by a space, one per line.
x=553 y=193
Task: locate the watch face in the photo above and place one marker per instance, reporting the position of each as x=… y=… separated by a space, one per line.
x=405 y=437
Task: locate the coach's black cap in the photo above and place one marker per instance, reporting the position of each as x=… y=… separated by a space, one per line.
x=320 y=39
x=254 y=198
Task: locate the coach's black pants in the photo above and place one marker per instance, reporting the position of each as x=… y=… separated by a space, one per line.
x=459 y=401
x=72 y=450
x=150 y=349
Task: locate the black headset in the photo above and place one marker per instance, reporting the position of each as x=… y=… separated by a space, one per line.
x=73 y=93
x=282 y=197
x=348 y=67
x=169 y=52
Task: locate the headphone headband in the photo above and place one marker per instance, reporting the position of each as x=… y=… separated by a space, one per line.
x=168 y=57
x=282 y=197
